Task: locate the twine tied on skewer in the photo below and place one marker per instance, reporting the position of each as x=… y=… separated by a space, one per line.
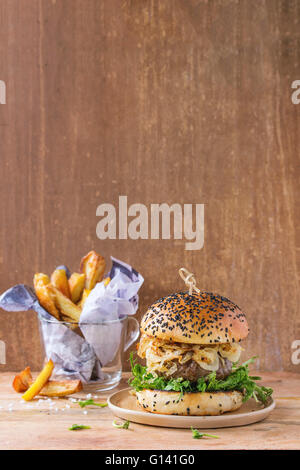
x=189 y=280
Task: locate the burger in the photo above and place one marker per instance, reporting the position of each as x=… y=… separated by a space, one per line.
x=191 y=344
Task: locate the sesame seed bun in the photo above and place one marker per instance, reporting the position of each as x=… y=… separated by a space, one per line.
x=200 y=318
x=189 y=404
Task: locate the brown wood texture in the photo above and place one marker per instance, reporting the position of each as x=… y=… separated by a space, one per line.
x=40 y=425
x=180 y=101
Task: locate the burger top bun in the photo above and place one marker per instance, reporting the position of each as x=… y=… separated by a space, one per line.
x=198 y=318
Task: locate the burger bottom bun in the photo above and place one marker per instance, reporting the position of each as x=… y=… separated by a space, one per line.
x=189 y=404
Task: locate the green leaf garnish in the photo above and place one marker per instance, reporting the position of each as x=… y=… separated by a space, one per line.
x=77 y=427
x=239 y=379
x=91 y=402
x=124 y=425
x=199 y=435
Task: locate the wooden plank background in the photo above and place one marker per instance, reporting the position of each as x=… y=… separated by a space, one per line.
x=183 y=101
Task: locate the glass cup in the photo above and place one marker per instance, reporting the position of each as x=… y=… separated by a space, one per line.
x=92 y=352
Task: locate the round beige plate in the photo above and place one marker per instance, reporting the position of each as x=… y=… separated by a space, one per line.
x=124 y=406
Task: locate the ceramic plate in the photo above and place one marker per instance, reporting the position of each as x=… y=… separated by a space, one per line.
x=124 y=406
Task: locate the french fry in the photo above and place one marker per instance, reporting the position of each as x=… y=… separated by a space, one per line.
x=85 y=295
x=55 y=388
x=41 y=279
x=93 y=266
x=76 y=285
x=22 y=381
x=18 y=385
x=40 y=382
x=65 y=305
x=107 y=281
x=40 y=282
x=60 y=281
x=52 y=388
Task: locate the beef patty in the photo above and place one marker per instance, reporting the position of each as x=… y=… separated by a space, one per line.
x=192 y=371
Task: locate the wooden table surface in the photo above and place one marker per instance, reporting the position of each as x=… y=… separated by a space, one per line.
x=44 y=425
